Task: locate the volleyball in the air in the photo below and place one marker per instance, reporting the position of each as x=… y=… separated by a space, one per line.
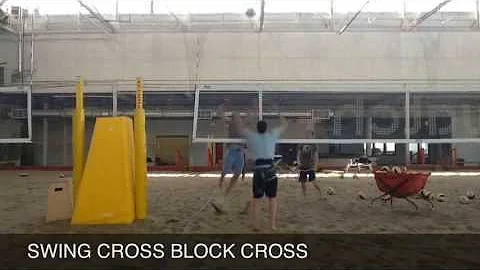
x=250 y=13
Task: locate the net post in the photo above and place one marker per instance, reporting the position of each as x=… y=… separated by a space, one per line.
x=78 y=140
x=140 y=154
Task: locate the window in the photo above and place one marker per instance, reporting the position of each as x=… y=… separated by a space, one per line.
x=390 y=147
x=384 y=149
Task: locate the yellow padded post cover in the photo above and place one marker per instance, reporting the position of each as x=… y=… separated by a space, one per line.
x=106 y=191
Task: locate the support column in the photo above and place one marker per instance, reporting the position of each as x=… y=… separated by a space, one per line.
x=359 y=113
x=332 y=15
x=369 y=135
x=260 y=105
x=117 y=15
x=407 y=125
x=45 y=138
x=115 y=100
x=478 y=13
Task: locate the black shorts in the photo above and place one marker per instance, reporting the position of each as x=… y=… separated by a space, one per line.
x=308 y=174
x=265 y=181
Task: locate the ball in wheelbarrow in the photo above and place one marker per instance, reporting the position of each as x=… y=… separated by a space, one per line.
x=470 y=195
x=330 y=191
x=396 y=169
x=385 y=169
x=464 y=200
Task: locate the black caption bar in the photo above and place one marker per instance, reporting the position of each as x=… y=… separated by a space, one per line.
x=249 y=251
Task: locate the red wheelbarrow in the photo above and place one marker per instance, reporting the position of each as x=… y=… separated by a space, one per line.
x=400 y=185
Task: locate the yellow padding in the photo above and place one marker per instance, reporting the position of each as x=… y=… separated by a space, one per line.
x=106 y=191
x=140 y=164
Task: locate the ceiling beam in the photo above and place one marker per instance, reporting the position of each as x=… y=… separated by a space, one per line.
x=98 y=16
x=345 y=27
x=427 y=15
x=262 y=16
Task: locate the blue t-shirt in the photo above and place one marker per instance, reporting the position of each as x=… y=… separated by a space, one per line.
x=262 y=146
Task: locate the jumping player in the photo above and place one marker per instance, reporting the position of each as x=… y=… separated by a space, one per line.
x=262 y=146
x=307 y=160
x=234 y=161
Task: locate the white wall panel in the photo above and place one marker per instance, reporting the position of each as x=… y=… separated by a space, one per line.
x=261 y=56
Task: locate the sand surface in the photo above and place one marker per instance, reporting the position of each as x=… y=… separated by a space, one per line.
x=174 y=203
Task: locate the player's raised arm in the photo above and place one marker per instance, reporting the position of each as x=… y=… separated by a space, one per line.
x=220 y=113
x=239 y=125
x=283 y=125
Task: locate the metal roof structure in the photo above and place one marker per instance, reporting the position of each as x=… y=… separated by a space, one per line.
x=437 y=17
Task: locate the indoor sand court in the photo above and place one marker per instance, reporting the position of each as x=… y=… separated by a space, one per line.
x=398 y=84
x=175 y=201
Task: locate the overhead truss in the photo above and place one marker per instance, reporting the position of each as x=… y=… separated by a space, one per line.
x=96 y=18
x=345 y=27
x=428 y=14
x=108 y=26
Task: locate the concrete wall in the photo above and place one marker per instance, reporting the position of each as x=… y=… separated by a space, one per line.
x=243 y=56
x=259 y=56
x=9 y=54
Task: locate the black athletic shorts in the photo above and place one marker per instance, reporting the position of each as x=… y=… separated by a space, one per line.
x=310 y=174
x=265 y=179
